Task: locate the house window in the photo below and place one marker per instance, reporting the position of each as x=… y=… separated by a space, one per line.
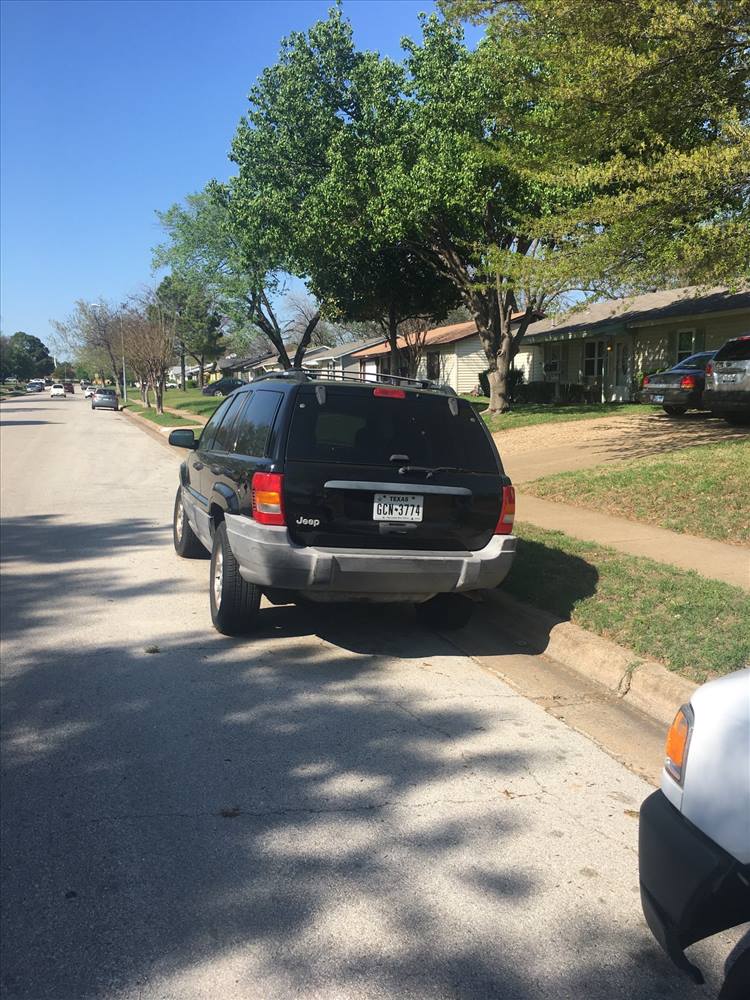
x=433 y=365
x=684 y=344
x=593 y=359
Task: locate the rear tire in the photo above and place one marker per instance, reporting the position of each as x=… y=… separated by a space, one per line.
x=675 y=411
x=445 y=612
x=234 y=602
x=186 y=542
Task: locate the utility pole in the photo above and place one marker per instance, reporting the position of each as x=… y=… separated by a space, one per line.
x=122 y=347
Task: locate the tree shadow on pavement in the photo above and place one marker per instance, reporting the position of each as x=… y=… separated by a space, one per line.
x=295 y=814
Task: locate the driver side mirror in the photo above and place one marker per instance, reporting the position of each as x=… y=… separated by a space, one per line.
x=183 y=438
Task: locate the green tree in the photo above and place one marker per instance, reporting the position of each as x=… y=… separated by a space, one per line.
x=197 y=324
x=646 y=108
x=240 y=269
x=301 y=180
x=25 y=357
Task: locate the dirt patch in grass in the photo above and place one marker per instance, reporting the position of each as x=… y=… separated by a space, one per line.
x=703 y=490
x=694 y=626
x=161 y=419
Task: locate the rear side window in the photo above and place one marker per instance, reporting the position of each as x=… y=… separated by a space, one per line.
x=358 y=428
x=226 y=433
x=211 y=430
x=255 y=423
x=696 y=362
x=735 y=350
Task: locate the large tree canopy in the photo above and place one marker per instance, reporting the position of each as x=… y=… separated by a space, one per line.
x=646 y=106
x=302 y=183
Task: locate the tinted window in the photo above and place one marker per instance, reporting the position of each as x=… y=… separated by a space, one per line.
x=357 y=428
x=735 y=350
x=225 y=435
x=210 y=430
x=255 y=423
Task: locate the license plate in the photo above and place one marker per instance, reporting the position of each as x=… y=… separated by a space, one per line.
x=728 y=378
x=397 y=507
x=657 y=399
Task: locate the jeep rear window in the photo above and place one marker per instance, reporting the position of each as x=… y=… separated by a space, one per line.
x=735 y=350
x=358 y=428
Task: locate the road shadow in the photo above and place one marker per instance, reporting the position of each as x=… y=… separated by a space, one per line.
x=286 y=815
x=26 y=423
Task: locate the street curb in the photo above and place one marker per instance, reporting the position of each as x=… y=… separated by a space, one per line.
x=147 y=426
x=639 y=682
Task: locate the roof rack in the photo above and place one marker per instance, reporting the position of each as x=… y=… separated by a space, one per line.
x=311 y=375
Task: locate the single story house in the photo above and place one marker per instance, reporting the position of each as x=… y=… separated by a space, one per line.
x=452 y=355
x=609 y=346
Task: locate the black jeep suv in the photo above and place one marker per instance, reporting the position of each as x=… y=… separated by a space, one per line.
x=344 y=490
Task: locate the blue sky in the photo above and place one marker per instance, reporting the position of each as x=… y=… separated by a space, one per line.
x=111 y=110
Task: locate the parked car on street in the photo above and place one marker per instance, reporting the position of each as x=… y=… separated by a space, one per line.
x=728 y=381
x=35 y=385
x=57 y=391
x=105 y=399
x=69 y=387
x=89 y=391
x=694 y=836
x=223 y=387
x=350 y=490
x=680 y=388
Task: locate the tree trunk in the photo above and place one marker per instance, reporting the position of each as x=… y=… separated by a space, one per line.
x=393 y=339
x=183 y=377
x=306 y=336
x=159 y=394
x=201 y=375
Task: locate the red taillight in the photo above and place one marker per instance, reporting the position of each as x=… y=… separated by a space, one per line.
x=646 y=380
x=268 y=498
x=710 y=368
x=390 y=393
x=687 y=382
x=504 y=524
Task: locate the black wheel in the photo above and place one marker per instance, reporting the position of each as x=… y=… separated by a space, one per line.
x=186 y=542
x=445 y=612
x=234 y=602
x=675 y=411
x=117 y=409
x=93 y=407
x=217 y=392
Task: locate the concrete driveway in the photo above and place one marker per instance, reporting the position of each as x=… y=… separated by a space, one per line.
x=342 y=806
x=545 y=449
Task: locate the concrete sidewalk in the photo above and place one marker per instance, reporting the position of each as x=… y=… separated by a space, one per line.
x=715 y=560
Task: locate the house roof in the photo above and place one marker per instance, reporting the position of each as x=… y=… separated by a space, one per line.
x=340 y=350
x=638 y=310
x=438 y=335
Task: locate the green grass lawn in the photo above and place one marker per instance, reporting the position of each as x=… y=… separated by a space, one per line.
x=192 y=400
x=162 y=419
x=695 y=626
x=528 y=414
x=703 y=490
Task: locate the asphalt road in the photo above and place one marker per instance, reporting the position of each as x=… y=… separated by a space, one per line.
x=343 y=806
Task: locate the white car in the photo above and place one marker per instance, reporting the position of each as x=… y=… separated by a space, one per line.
x=57 y=391
x=694 y=835
x=89 y=391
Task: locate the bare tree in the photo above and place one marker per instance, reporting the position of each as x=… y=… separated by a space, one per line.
x=150 y=344
x=92 y=333
x=413 y=333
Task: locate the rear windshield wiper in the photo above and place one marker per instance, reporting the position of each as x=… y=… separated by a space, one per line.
x=426 y=469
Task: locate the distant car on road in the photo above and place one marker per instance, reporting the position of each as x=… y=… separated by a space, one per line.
x=223 y=387
x=35 y=385
x=105 y=399
x=680 y=388
x=728 y=381
x=57 y=391
x=694 y=836
x=69 y=387
x=89 y=391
